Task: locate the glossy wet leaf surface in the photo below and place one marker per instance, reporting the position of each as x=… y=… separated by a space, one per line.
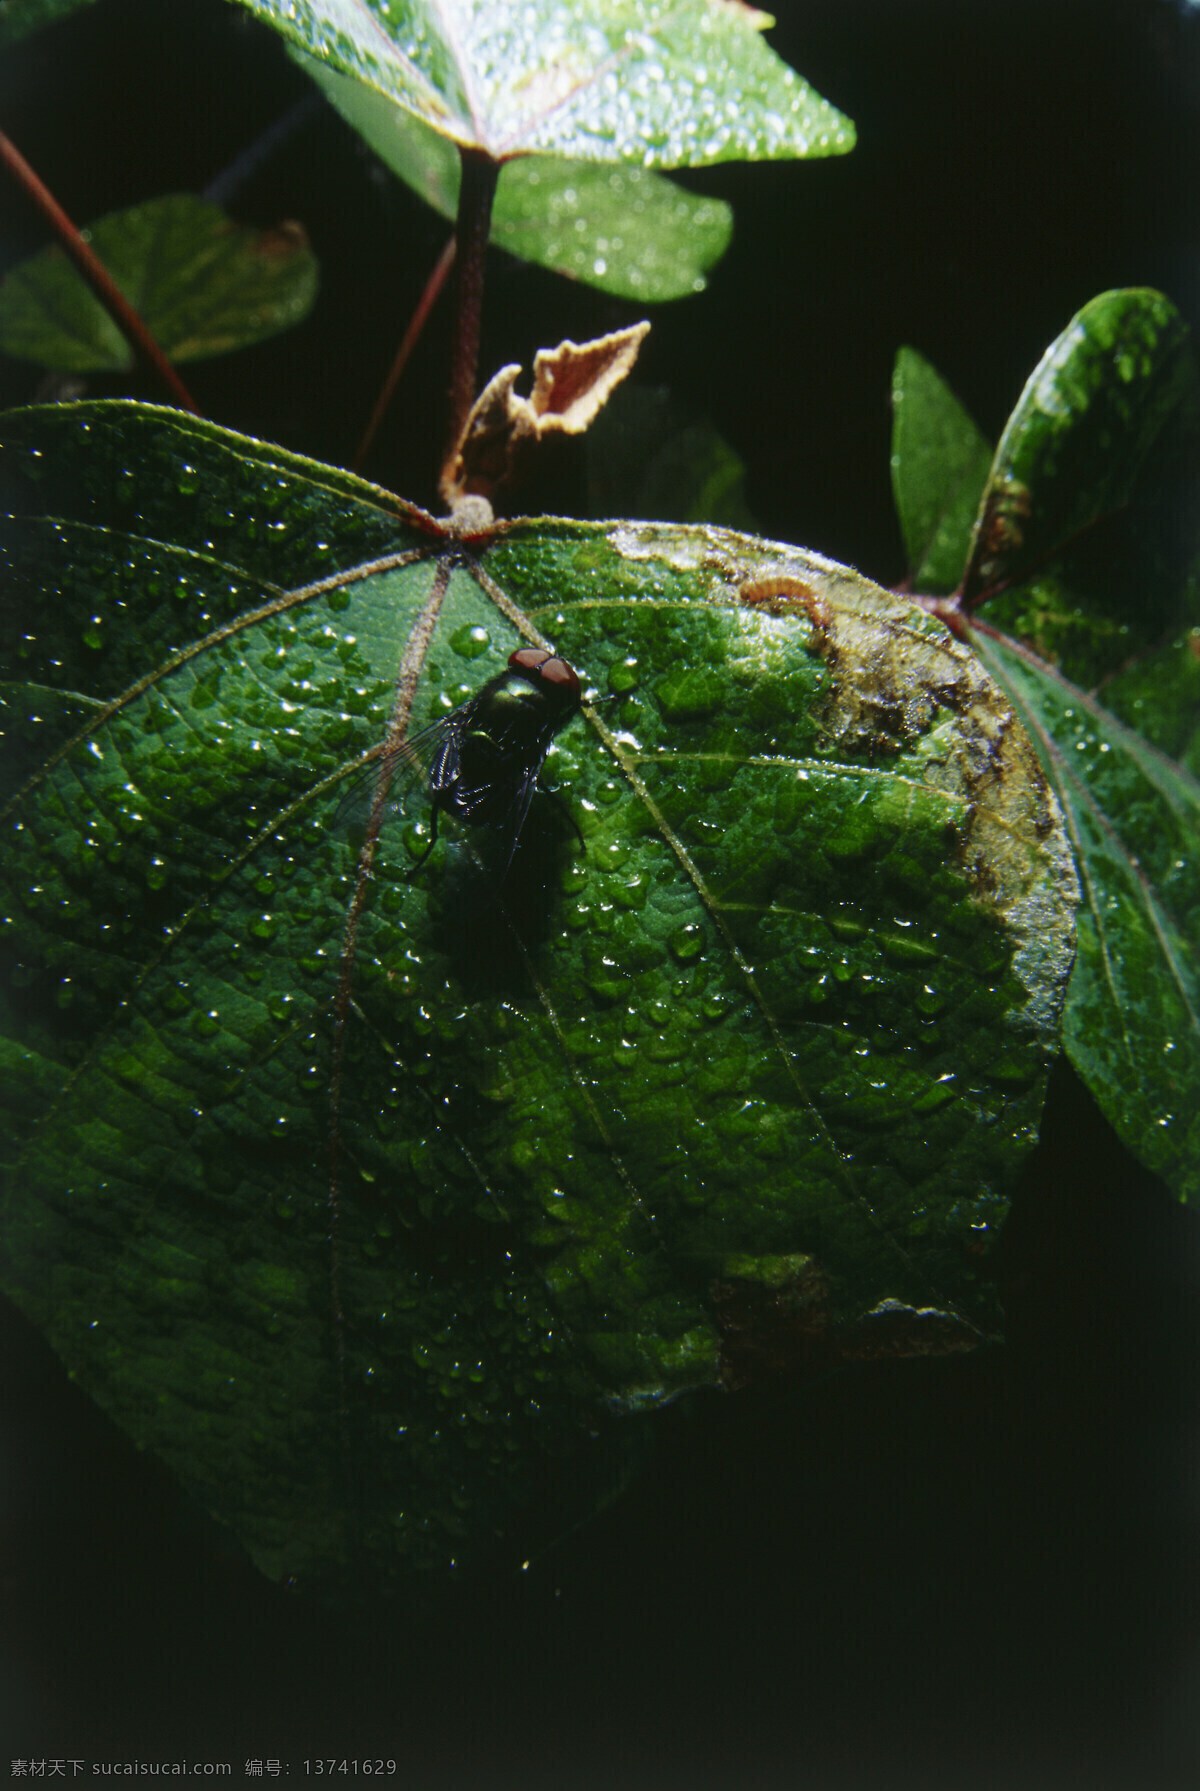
x=742 y=1081
x=1133 y=1020
x=202 y=284
x=662 y=83
x=624 y=230
x=1082 y=582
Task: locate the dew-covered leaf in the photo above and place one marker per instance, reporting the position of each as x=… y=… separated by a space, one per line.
x=1133 y=1016
x=201 y=284
x=1083 y=583
x=661 y=83
x=622 y=229
x=940 y=463
x=738 y=1077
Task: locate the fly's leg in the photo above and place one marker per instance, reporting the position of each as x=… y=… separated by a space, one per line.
x=433 y=826
x=563 y=809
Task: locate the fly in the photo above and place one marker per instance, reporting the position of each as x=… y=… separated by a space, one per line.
x=485 y=757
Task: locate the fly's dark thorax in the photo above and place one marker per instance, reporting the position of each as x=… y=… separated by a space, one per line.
x=500 y=748
x=524 y=717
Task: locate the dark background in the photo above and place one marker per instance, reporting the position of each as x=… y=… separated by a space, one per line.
x=983 y=1571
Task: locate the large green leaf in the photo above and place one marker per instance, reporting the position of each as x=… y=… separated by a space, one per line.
x=1090 y=528
x=940 y=463
x=201 y=284
x=743 y=1076
x=624 y=230
x=661 y=83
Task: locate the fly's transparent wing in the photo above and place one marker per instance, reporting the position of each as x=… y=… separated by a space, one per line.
x=393 y=787
x=508 y=828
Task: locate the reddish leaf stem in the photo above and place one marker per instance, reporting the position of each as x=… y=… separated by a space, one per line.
x=412 y=334
x=480 y=172
x=146 y=351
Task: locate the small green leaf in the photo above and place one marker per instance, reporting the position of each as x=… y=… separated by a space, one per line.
x=940 y=463
x=772 y=1039
x=660 y=83
x=1077 y=442
x=19 y=17
x=623 y=230
x=202 y=285
x=1133 y=1014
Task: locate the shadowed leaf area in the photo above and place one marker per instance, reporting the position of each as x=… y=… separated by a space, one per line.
x=19 y=17
x=386 y=1257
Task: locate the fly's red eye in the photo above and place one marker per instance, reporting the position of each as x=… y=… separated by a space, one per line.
x=528 y=659
x=557 y=671
x=546 y=667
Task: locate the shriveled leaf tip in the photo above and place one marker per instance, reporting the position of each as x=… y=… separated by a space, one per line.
x=572 y=383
